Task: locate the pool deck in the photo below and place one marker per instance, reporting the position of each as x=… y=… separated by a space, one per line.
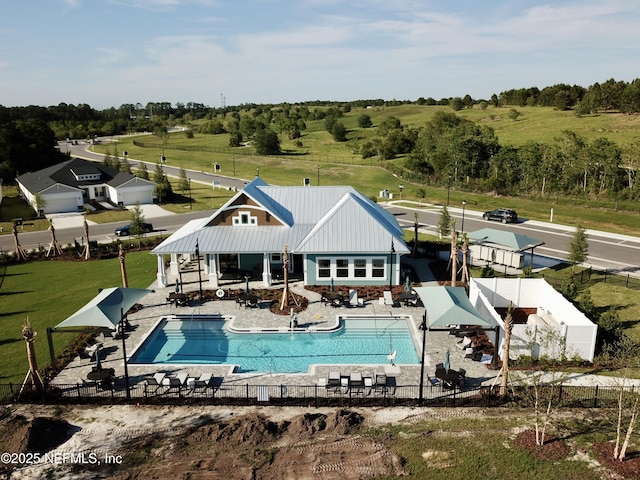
x=317 y=315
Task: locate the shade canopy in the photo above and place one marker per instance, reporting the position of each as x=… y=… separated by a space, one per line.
x=105 y=308
x=449 y=306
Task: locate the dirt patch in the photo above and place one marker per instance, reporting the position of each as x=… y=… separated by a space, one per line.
x=319 y=444
x=629 y=468
x=553 y=449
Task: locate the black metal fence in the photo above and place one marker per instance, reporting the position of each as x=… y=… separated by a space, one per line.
x=563 y=396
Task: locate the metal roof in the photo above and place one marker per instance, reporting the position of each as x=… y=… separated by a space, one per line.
x=315 y=220
x=502 y=238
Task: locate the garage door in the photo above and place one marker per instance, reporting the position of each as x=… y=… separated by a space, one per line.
x=131 y=197
x=60 y=205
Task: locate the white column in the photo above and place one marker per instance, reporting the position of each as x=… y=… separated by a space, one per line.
x=266 y=269
x=212 y=260
x=162 y=274
x=174 y=265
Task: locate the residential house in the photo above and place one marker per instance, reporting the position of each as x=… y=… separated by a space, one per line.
x=67 y=186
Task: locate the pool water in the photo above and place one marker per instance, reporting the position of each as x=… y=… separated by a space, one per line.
x=206 y=341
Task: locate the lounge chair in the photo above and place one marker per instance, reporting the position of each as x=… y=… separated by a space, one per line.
x=466 y=342
x=204 y=382
x=381 y=382
x=356 y=383
x=368 y=384
x=178 y=381
x=156 y=381
x=354 y=301
x=333 y=382
x=388 y=299
x=463 y=376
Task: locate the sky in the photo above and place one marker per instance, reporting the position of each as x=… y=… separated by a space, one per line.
x=107 y=53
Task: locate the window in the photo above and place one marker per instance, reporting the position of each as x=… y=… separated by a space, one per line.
x=351 y=268
x=342 y=268
x=324 y=268
x=244 y=219
x=276 y=257
x=377 y=267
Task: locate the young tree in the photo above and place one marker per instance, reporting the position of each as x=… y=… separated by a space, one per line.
x=137 y=220
x=125 y=166
x=183 y=181
x=578 y=247
x=508 y=328
x=142 y=171
x=444 y=224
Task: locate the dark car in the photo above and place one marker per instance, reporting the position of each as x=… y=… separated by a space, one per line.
x=124 y=230
x=503 y=215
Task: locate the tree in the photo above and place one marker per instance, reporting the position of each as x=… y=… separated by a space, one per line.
x=183 y=181
x=267 y=142
x=508 y=328
x=339 y=132
x=444 y=224
x=514 y=114
x=142 y=171
x=137 y=220
x=364 y=121
x=578 y=247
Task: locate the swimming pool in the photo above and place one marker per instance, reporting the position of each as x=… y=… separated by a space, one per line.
x=207 y=341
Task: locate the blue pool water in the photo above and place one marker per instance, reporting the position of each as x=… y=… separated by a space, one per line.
x=356 y=341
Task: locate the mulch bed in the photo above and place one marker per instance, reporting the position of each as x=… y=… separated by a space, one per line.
x=553 y=448
x=629 y=468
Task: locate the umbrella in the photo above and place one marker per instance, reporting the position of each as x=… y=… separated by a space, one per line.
x=407 y=285
x=450 y=306
x=246 y=284
x=447 y=360
x=331 y=285
x=106 y=308
x=177 y=285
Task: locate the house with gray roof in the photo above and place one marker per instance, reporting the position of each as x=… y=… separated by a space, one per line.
x=67 y=186
x=330 y=233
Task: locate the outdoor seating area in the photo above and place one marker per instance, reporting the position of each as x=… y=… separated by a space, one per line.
x=357 y=383
x=178 y=299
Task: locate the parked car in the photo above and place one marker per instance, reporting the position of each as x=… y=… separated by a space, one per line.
x=124 y=230
x=503 y=215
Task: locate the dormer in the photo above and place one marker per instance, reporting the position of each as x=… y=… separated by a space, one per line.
x=88 y=175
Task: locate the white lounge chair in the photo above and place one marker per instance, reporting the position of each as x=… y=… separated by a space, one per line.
x=388 y=299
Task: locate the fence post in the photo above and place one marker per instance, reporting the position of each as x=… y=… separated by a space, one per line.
x=627 y=282
x=595 y=397
x=560 y=394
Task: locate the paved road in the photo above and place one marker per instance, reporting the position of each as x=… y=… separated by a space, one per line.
x=609 y=251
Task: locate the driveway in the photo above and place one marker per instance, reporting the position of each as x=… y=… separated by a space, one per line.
x=76 y=219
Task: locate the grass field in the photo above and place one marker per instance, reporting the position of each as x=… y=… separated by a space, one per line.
x=46 y=293
x=329 y=163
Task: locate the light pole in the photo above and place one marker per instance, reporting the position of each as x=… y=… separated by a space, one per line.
x=234 y=165
x=318 y=167
x=448 y=189
x=400 y=187
x=423 y=327
x=464 y=204
x=257 y=171
x=124 y=354
x=190 y=199
x=199 y=274
x=393 y=251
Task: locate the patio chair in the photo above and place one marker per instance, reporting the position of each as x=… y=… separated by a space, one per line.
x=381 y=382
x=156 y=381
x=368 y=384
x=356 y=383
x=462 y=345
x=433 y=381
x=463 y=375
x=204 y=381
x=354 y=301
x=178 y=381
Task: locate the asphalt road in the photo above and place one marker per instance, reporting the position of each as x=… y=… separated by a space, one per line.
x=609 y=251
x=619 y=253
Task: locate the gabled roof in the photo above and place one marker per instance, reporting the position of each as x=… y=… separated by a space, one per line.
x=511 y=240
x=313 y=219
x=351 y=225
x=65 y=173
x=447 y=305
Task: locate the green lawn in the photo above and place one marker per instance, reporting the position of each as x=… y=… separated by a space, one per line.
x=47 y=292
